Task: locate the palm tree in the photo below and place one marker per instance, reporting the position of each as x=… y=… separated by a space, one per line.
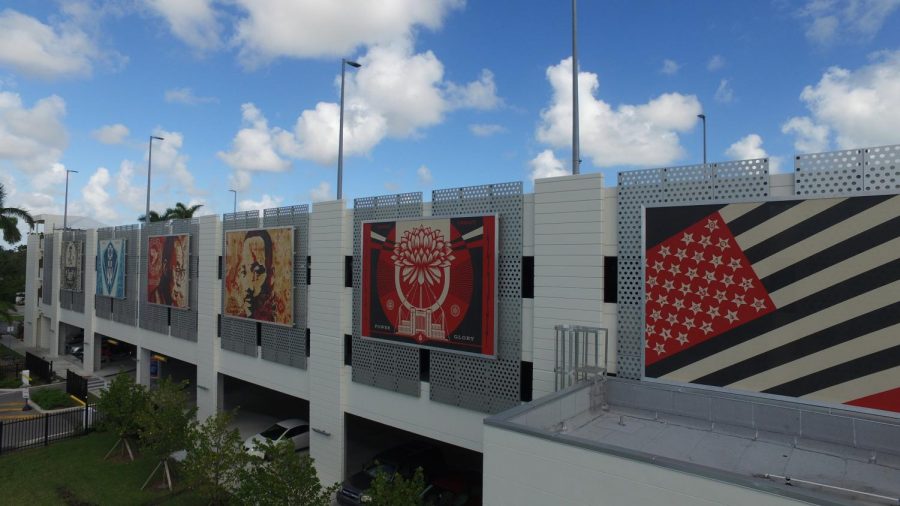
x=181 y=212
x=9 y=219
x=154 y=216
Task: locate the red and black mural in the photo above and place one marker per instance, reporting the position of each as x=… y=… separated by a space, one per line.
x=798 y=298
x=431 y=282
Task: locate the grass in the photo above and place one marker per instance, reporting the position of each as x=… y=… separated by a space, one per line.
x=74 y=472
x=51 y=398
x=9 y=354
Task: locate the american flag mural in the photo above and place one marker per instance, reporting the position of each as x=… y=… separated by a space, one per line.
x=799 y=298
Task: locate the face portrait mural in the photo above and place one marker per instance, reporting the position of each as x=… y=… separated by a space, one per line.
x=111 y=268
x=168 y=266
x=259 y=275
x=71 y=265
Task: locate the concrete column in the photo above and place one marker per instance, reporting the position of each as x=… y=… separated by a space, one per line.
x=91 y=350
x=330 y=239
x=142 y=374
x=52 y=341
x=209 y=296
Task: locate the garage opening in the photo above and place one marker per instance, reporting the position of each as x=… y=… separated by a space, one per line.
x=113 y=356
x=71 y=342
x=178 y=371
x=259 y=408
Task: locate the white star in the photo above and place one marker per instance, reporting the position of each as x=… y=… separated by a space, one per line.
x=665 y=251
x=728 y=280
x=689 y=323
x=711 y=276
x=692 y=273
x=672 y=319
x=746 y=284
x=682 y=338
x=712 y=311
x=666 y=334
x=711 y=224
x=759 y=304
x=662 y=300
x=674 y=269
x=739 y=301
x=734 y=263
x=721 y=296
x=651 y=330
x=706 y=328
x=652 y=281
x=705 y=241
x=698 y=256
x=723 y=244
x=716 y=260
x=731 y=316
x=669 y=285
x=658 y=266
x=702 y=291
x=678 y=304
x=647 y=345
x=660 y=348
x=681 y=254
x=696 y=307
x=685 y=288
x=656 y=314
x=687 y=239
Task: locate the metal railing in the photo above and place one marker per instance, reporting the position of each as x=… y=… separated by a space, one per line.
x=577 y=352
x=44 y=428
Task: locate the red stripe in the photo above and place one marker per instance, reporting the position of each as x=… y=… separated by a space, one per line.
x=888 y=401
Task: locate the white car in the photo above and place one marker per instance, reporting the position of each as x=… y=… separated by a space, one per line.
x=294 y=429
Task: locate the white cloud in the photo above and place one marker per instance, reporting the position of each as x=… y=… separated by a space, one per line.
x=424 y=176
x=545 y=164
x=97 y=198
x=49 y=51
x=253 y=148
x=265 y=202
x=239 y=180
x=486 y=130
x=830 y=22
x=111 y=134
x=130 y=194
x=192 y=21
x=54 y=177
x=186 y=96
x=321 y=193
x=862 y=106
x=645 y=134
x=480 y=94
x=724 y=93
x=32 y=139
x=750 y=147
x=670 y=67
x=715 y=63
x=312 y=28
x=810 y=137
x=168 y=158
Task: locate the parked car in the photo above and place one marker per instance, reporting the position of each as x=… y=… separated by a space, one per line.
x=294 y=429
x=458 y=488
x=20 y=298
x=402 y=460
x=77 y=351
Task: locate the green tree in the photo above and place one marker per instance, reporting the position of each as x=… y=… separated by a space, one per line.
x=180 y=211
x=154 y=216
x=118 y=407
x=12 y=278
x=395 y=490
x=283 y=479
x=164 y=424
x=9 y=219
x=215 y=458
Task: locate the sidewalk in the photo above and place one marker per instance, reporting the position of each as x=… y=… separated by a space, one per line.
x=63 y=363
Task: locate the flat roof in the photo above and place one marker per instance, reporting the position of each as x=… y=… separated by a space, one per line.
x=726 y=436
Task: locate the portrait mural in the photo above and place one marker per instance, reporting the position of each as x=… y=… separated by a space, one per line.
x=111 y=268
x=431 y=282
x=259 y=275
x=168 y=266
x=72 y=252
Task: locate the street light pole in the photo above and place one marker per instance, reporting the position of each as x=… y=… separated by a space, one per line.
x=149 y=166
x=576 y=158
x=66 y=205
x=340 y=174
x=703 y=117
x=235 y=200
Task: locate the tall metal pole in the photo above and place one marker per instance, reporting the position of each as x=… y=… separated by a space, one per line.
x=66 y=205
x=149 y=167
x=235 y=200
x=340 y=174
x=576 y=159
x=703 y=117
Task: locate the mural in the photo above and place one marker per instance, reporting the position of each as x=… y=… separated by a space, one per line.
x=72 y=252
x=259 y=275
x=168 y=265
x=431 y=282
x=111 y=268
x=798 y=298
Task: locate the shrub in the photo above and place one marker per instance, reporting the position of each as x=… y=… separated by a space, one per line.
x=51 y=398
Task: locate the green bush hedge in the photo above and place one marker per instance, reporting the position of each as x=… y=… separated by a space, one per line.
x=51 y=398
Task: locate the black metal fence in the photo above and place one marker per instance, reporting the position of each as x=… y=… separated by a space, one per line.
x=76 y=385
x=44 y=428
x=38 y=366
x=12 y=369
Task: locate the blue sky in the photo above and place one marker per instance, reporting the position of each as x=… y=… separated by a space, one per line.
x=451 y=93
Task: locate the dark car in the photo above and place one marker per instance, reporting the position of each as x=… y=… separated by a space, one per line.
x=402 y=460
x=455 y=488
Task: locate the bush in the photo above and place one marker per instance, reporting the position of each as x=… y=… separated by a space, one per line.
x=51 y=398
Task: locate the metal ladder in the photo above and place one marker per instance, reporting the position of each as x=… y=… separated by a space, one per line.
x=578 y=359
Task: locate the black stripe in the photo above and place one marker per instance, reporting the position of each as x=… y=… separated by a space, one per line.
x=761 y=213
x=847 y=289
x=811 y=226
x=818 y=341
x=841 y=373
x=841 y=251
x=664 y=222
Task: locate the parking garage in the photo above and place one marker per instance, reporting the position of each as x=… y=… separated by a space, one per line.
x=257 y=407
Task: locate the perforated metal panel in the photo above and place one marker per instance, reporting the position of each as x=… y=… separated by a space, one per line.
x=485 y=384
x=103 y=305
x=74 y=301
x=153 y=317
x=833 y=173
x=184 y=321
x=47 y=284
x=282 y=344
x=733 y=180
x=882 y=168
x=381 y=364
x=125 y=310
